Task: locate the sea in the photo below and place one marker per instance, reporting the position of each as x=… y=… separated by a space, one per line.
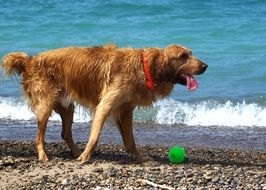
x=230 y=36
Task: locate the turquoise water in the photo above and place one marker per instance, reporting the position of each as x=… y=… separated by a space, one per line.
x=229 y=36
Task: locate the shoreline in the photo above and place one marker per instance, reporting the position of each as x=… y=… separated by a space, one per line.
x=112 y=168
x=252 y=138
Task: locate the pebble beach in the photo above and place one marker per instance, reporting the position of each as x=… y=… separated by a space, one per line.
x=112 y=168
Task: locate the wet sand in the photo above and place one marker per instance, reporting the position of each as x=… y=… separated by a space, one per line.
x=253 y=138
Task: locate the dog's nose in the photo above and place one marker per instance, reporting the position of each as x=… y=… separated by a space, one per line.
x=204 y=66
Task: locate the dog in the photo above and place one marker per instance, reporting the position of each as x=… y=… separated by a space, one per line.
x=108 y=80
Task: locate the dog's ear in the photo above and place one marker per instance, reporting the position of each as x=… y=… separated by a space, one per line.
x=154 y=55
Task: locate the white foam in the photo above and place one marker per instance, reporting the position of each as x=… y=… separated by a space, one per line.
x=168 y=111
x=211 y=113
x=12 y=109
x=18 y=110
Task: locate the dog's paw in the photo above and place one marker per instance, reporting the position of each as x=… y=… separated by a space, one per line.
x=83 y=158
x=43 y=157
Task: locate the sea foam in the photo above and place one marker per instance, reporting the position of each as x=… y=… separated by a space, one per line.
x=18 y=110
x=168 y=111
x=210 y=113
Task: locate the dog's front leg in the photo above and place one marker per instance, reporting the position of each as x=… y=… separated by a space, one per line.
x=109 y=100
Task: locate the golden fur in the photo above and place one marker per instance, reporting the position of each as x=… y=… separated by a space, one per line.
x=106 y=79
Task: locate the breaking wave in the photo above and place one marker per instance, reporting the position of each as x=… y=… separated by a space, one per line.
x=168 y=111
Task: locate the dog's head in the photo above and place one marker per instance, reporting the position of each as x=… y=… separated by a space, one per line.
x=177 y=65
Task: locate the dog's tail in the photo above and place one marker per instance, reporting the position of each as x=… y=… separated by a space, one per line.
x=14 y=63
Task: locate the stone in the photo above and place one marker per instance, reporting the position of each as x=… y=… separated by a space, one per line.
x=64 y=182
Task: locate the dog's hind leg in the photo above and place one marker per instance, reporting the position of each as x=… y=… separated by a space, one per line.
x=42 y=115
x=66 y=115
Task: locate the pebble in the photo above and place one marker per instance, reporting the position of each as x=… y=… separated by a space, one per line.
x=206 y=168
x=64 y=182
x=112 y=172
x=215 y=179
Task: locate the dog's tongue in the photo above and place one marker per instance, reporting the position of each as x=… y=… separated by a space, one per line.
x=191 y=82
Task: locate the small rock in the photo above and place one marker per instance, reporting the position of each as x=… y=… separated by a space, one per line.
x=112 y=172
x=64 y=182
x=207 y=177
x=215 y=180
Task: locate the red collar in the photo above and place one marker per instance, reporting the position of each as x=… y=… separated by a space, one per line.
x=149 y=81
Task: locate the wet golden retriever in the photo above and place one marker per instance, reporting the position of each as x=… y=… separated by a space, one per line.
x=110 y=81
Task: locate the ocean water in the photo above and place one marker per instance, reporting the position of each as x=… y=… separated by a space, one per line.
x=229 y=36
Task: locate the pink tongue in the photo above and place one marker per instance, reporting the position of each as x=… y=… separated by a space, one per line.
x=191 y=82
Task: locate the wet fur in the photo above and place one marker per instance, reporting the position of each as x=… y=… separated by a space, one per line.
x=108 y=80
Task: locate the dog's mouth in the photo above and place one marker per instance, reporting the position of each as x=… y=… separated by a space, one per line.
x=187 y=80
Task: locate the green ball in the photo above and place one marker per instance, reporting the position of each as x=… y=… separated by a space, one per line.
x=176 y=154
